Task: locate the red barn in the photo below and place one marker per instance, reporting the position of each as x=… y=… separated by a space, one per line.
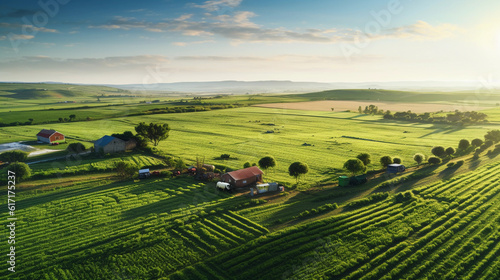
x=50 y=136
x=243 y=177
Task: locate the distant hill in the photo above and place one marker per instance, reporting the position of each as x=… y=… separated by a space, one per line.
x=394 y=95
x=54 y=90
x=235 y=87
x=242 y=87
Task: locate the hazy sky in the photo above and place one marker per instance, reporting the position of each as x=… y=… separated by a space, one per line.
x=170 y=41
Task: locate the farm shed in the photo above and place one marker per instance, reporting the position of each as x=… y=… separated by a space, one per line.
x=395 y=168
x=109 y=144
x=243 y=177
x=50 y=136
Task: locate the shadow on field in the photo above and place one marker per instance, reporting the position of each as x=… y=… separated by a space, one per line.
x=68 y=193
x=181 y=197
x=441 y=128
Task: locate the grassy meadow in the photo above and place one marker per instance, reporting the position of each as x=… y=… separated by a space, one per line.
x=78 y=220
x=242 y=133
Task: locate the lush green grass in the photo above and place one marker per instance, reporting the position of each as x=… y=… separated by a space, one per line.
x=242 y=134
x=99 y=228
x=445 y=230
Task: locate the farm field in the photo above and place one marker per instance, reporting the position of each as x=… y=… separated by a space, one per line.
x=445 y=230
x=79 y=220
x=330 y=137
x=342 y=105
x=101 y=228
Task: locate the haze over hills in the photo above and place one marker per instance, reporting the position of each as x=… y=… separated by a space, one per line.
x=242 y=87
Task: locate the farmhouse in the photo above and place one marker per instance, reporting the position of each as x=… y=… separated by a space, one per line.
x=50 y=136
x=109 y=144
x=243 y=177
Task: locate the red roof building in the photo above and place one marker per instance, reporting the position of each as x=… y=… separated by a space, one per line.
x=50 y=136
x=243 y=177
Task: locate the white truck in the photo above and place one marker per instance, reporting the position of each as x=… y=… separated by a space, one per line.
x=223 y=186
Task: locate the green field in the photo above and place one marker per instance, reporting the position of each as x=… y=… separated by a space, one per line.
x=241 y=132
x=78 y=220
x=440 y=231
x=98 y=228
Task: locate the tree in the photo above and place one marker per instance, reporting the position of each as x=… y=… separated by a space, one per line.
x=296 y=169
x=365 y=158
x=397 y=160
x=463 y=144
x=72 y=117
x=493 y=135
x=434 y=160
x=75 y=148
x=419 y=158
x=179 y=164
x=247 y=164
x=477 y=142
x=12 y=156
x=267 y=162
x=31 y=120
x=355 y=166
x=439 y=151
x=153 y=132
x=22 y=170
x=125 y=169
x=450 y=151
x=385 y=161
x=360 y=110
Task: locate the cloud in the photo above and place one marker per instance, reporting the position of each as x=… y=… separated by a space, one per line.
x=239 y=28
x=18 y=13
x=20 y=37
x=6 y=27
x=183 y=44
x=424 y=30
x=216 y=5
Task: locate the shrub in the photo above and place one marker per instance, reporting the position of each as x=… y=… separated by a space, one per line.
x=439 y=151
x=15 y=155
x=419 y=158
x=477 y=142
x=385 y=161
x=21 y=169
x=450 y=151
x=365 y=158
x=396 y=160
x=225 y=156
x=125 y=169
x=434 y=160
x=247 y=164
x=493 y=135
x=296 y=169
x=463 y=144
x=267 y=162
x=487 y=144
x=355 y=166
x=75 y=148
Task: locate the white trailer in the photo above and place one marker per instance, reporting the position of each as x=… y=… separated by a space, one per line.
x=223 y=186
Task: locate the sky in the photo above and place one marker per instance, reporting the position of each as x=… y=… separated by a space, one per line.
x=124 y=42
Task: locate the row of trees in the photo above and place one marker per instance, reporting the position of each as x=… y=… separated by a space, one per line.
x=295 y=169
x=454 y=118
